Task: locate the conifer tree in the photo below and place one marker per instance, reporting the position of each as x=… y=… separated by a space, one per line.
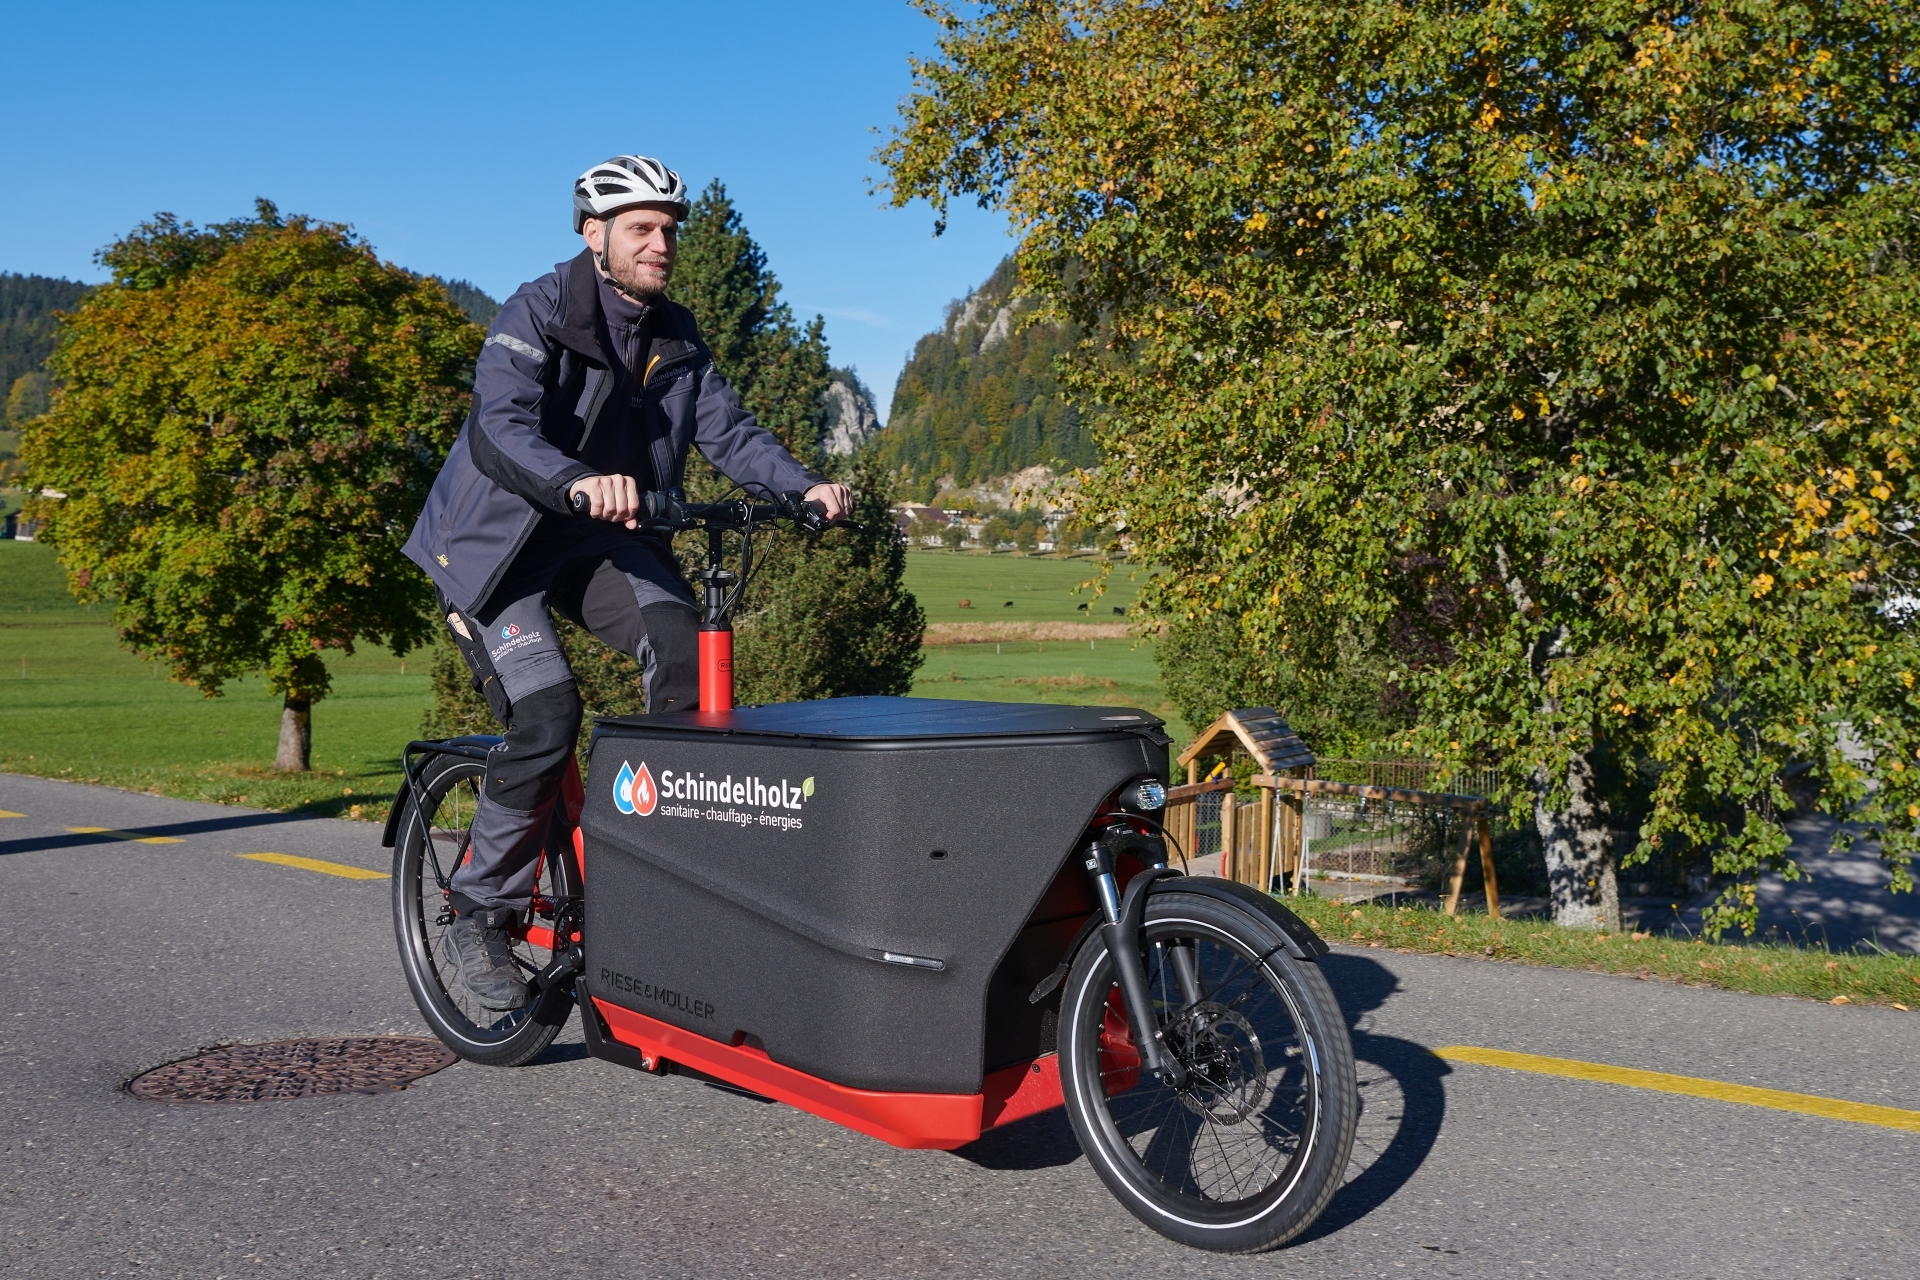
x=822 y=617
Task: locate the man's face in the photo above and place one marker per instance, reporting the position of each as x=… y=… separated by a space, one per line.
x=639 y=245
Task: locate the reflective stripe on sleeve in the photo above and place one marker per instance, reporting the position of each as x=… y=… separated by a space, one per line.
x=514 y=344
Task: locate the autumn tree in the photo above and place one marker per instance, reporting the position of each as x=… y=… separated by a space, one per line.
x=1575 y=341
x=250 y=416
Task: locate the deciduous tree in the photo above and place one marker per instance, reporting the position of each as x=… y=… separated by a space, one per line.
x=249 y=419
x=1578 y=337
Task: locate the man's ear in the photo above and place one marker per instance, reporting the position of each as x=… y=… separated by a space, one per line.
x=595 y=230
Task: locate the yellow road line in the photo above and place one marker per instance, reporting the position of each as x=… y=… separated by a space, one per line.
x=8 y=813
x=125 y=835
x=340 y=869
x=1692 y=1086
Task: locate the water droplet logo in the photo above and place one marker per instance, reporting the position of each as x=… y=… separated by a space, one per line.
x=509 y=631
x=634 y=793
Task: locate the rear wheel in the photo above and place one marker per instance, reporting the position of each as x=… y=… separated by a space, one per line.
x=429 y=847
x=1248 y=1153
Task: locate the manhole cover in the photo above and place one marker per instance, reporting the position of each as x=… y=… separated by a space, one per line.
x=294 y=1069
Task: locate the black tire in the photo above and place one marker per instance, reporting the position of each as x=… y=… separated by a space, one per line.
x=421 y=914
x=1248 y=1155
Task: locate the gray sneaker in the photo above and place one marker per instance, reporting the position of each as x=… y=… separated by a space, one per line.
x=482 y=952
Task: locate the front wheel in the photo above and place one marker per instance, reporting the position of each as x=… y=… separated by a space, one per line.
x=429 y=847
x=1249 y=1151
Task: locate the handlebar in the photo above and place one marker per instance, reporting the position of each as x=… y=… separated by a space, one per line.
x=664 y=511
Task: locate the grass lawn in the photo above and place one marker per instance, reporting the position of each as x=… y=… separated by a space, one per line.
x=1076 y=672
x=1041 y=588
x=83 y=709
x=75 y=705
x=1763 y=969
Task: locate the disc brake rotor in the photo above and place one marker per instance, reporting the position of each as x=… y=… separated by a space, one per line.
x=1221 y=1052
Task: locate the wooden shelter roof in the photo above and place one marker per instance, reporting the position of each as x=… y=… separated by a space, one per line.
x=1259 y=731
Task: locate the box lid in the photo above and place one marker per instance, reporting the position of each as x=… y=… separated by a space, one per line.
x=893 y=719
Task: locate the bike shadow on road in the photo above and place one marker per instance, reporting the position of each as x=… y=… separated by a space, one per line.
x=1402 y=1104
x=198 y=826
x=1402 y=1099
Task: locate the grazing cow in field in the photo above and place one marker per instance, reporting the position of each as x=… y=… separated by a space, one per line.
x=1117 y=609
x=966 y=604
x=1007 y=605
x=1082 y=606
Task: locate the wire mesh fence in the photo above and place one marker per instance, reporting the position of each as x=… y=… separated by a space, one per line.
x=1372 y=841
x=1207 y=827
x=1367 y=835
x=1413 y=775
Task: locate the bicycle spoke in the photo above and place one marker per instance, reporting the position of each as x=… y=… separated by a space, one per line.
x=1237 y=1126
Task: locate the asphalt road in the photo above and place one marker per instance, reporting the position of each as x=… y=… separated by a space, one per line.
x=125 y=955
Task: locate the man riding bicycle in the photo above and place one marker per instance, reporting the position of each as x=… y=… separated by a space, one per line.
x=590 y=383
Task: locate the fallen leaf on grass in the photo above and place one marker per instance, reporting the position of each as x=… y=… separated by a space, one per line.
x=1902 y=1008
x=1839 y=1000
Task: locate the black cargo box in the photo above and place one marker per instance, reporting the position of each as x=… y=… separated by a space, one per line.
x=835 y=882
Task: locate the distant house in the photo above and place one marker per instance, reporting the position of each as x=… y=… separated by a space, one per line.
x=19 y=527
x=907 y=514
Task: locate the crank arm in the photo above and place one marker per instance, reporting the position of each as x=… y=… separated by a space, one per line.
x=561 y=969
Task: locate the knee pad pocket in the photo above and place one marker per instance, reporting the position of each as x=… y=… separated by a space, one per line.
x=523 y=770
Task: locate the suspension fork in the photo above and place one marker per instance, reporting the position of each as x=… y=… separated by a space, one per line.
x=716 y=630
x=1120 y=931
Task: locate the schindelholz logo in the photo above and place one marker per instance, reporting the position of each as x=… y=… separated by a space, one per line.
x=634 y=792
x=509 y=631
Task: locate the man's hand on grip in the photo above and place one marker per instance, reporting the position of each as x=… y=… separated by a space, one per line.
x=835 y=499
x=614 y=498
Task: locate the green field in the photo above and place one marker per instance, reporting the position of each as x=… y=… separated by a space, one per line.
x=1117 y=672
x=1102 y=672
x=75 y=705
x=1040 y=588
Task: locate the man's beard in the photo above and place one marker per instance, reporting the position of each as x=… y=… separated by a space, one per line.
x=626 y=278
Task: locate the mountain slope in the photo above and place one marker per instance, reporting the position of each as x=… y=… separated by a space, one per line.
x=979 y=398
x=28 y=329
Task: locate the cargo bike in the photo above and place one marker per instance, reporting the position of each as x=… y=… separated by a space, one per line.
x=919 y=919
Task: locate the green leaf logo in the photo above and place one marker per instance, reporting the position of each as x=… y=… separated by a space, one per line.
x=806 y=789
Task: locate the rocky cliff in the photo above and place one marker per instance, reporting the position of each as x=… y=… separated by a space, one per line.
x=851 y=417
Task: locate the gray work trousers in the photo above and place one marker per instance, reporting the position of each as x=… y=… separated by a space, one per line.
x=618 y=589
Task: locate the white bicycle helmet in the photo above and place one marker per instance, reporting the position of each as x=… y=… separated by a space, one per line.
x=623 y=182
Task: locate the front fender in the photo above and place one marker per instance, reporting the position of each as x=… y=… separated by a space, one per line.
x=1301 y=941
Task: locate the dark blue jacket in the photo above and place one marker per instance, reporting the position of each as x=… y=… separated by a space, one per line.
x=543 y=387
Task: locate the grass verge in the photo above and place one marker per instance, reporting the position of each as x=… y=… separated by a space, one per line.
x=1836 y=977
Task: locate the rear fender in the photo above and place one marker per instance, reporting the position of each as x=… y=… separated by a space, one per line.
x=471 y=745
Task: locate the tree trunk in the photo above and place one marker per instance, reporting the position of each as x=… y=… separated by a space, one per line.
x=1575 y=839
x=296 y=736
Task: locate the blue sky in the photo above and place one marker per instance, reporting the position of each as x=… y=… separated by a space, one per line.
x=449 y=136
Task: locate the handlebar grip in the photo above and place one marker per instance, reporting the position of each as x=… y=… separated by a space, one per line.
x=580 y=504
